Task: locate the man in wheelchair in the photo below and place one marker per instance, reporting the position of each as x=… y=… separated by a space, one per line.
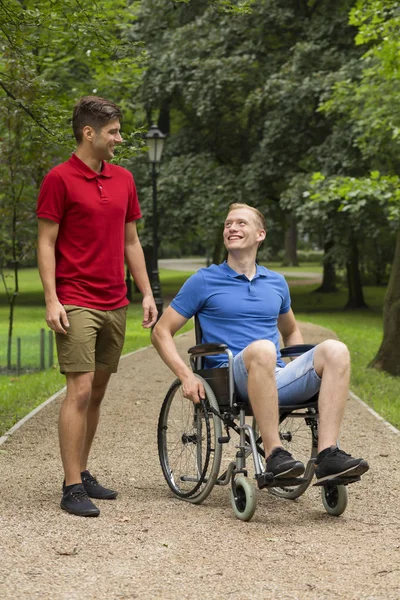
x=245 y=306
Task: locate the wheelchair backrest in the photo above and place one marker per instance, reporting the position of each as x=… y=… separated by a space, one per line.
x=217 y=379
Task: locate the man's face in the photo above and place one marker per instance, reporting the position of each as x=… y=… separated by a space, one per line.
x=105 y=140
x=242 y=230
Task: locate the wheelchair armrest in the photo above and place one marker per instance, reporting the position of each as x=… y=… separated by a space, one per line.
x=297 y=350
x=207 y=349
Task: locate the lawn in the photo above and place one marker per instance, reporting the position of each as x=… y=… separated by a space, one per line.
x=360 y=330
x=19 y=395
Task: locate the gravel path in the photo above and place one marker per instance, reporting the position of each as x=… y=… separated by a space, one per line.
x=149 y=545
x=194 y=264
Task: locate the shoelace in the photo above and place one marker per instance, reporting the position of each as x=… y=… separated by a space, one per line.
x=79 y=494
x=90 y=479
x=282 y=452
x=339 y=451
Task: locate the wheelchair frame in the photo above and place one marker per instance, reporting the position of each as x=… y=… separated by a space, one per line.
x=190 y=439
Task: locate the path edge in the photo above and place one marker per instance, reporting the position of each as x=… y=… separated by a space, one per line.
x=377 y=416
x=33 y=412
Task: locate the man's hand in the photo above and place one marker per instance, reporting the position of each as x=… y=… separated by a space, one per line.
x=193 y=389
x=150 y=311
x=56 y=317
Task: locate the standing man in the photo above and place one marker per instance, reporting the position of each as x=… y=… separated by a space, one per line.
x=87 y=211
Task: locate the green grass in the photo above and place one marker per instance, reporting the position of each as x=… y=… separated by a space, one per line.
x=360 y=330
x=20 y=395
x=311 y=267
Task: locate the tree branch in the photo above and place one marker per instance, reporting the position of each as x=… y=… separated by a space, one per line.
x=24 y=108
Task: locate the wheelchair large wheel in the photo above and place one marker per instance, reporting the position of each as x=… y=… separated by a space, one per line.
x=243 y=498
x=298 y=434
x=334 y=499
x=188 y=446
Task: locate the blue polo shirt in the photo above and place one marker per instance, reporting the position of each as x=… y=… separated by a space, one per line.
x=232 y=309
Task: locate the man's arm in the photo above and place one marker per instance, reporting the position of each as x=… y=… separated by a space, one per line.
x=162 y=338
x=135 y=259
x=56 y=317
x=289 y=329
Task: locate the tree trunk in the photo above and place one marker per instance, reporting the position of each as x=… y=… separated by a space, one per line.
x=148 y=257
x=388 y=356
x=128 y=282
x=356 y=295
x=328 y=284
x=217 y=255
x=13 y=297
x=164 y=118
x=290 y=258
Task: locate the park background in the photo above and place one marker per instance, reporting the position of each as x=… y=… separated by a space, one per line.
x=290 y=106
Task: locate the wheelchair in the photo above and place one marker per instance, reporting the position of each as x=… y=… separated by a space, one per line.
x=191 y=438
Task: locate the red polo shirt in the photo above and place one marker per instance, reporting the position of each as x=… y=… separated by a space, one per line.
x=91 y=209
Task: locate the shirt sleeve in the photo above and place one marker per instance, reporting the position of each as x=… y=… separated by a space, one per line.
x=52 y=198
x=191 y=296
x=133 y=212
x=286 y=302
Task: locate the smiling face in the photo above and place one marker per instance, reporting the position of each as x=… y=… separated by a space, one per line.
x=103 y=141
x=242 y=230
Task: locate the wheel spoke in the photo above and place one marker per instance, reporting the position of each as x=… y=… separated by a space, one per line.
x=187 y=436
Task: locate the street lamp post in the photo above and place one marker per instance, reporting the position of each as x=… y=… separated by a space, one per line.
x=155 y=142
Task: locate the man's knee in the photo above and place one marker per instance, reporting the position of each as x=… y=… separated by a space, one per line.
x=260 y=354
x=98 y=392
x=79 y=390
x=333 y=353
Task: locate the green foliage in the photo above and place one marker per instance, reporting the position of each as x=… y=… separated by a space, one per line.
x=241 y=92
x=51 y=53
x=369 y=101
x=365 y=210
x=62 y=50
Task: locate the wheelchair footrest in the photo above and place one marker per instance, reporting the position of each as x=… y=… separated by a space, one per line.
x=268 y=480
x=265 y=480
x=343 y=480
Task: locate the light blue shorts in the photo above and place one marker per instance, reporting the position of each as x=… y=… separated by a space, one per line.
x=296 y=382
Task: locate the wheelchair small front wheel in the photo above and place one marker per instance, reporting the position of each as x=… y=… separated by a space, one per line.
x=334 y=499
x=243 y=498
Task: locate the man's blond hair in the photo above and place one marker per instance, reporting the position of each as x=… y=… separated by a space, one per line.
x=259 y=216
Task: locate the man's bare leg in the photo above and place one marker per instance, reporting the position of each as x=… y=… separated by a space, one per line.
x=332 y=364
x=99 y=386
x=260 y=361
x=72 y=424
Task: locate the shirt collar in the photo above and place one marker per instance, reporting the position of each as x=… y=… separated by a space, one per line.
x=78 y=164
x=260 y=272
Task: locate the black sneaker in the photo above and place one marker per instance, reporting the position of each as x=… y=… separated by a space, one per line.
x=282 y=464
x=333 y=462
x=94 y=489
x=77 y=502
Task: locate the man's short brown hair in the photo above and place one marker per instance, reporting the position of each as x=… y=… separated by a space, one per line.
x=95 y=112
x=259 y=216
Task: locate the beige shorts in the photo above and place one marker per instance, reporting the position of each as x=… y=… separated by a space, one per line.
x=94 y=340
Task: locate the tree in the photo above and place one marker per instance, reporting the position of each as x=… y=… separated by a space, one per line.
x=52 y=53
x=244 y=90
x=371 y=104
x=351 y=210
